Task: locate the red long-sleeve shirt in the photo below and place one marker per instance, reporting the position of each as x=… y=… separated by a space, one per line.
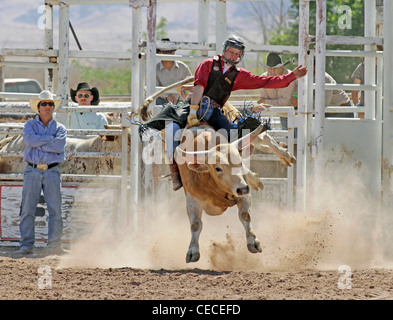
x=244 y=79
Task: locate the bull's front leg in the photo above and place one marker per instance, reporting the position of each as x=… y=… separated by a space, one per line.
x=194 y=211
x=264 y=140
x=253 y=243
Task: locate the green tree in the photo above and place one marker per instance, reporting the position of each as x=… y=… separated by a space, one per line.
x=340 y=68
x=160 y=29
x=112 y=80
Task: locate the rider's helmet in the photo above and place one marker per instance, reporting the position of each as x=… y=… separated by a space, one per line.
x=237 y=43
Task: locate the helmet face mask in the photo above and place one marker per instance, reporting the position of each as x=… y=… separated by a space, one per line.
x=236 y=43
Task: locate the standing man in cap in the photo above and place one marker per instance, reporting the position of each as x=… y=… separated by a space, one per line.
x=278 y=96
x=45 y=150
x=169 y=72
x=86 y=96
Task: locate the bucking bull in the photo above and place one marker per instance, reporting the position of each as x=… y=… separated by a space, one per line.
x=218 y=177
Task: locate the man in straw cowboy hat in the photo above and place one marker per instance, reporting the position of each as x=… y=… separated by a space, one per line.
x=278 y=96
x=83 y=95
x=45 y=141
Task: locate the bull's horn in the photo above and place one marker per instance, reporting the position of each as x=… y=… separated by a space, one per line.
x=247 y=139
x=143 y=110
x=190 y=156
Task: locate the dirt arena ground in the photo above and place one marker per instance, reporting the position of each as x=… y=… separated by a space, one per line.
x=20 y=281
x=343 y=251
x=303 y=258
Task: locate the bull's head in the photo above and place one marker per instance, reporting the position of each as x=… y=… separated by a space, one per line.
x=223 y=162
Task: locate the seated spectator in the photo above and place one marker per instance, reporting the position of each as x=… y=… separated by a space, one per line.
x=83 y=95
x=358 y=78
x=279 y=96
x=336 y=97
x=169 y=72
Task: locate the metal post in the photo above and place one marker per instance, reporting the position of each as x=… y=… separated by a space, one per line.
x=221 y=24
x=370 y=12
x=142 y=77
x=151 y=48
x=309 y=133
x=63 y=82
x=2 y=77
x=291 y=140
x=379 y=98
x=49 y=45
x=203 y=23
x=302 y=118
x=135 y=103
x=387 y=159
x=319 y=125
x=150 y=81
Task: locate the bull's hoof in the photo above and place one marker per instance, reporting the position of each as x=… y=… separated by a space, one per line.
x=254 y=247
x=192 y=256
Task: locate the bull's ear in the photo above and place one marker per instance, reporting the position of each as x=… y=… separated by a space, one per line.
x=253 y=181
x=198 y=167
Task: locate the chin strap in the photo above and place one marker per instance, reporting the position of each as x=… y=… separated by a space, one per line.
x=232 y=63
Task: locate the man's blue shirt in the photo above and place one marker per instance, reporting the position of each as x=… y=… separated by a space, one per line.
x=44 y=144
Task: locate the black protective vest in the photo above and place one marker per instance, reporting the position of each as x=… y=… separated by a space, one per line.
x=219 y=85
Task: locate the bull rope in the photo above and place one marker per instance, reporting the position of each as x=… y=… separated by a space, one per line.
x=145 y=133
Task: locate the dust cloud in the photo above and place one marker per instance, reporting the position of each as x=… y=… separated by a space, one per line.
x=342 y=225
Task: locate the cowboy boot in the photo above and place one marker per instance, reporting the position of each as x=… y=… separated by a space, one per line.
x=176 y=179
